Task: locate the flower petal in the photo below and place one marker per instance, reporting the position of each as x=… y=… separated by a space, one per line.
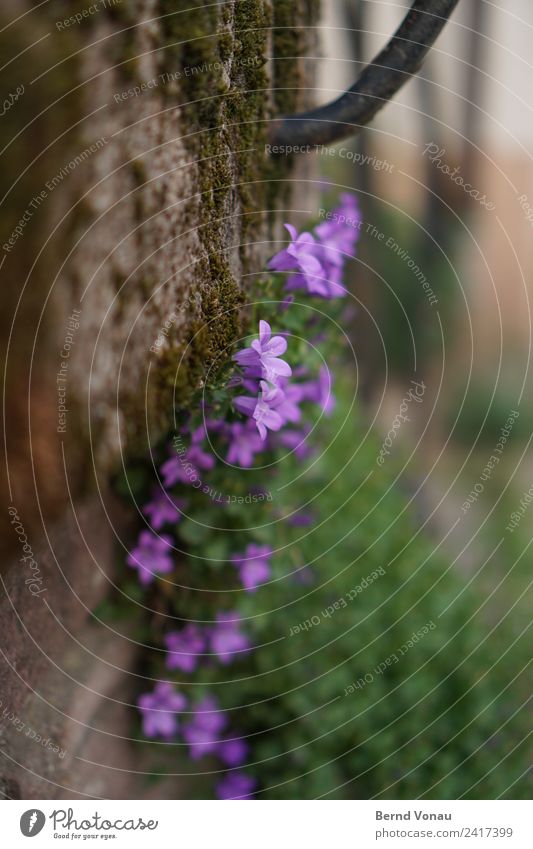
x=293 y=232
x=245 y=405
x=277 y=346
x=264 y=332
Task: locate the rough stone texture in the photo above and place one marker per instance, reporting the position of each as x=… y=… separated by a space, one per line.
x=160 y=223
x=42 y=655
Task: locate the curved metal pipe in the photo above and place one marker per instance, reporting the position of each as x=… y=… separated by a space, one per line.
x=379 y=81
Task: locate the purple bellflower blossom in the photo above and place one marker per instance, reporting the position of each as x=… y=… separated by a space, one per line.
x=264 y=373
x=184 y=464
x=233 y=751
x=244 y=443
x=295 y=440
x=163 y=509
x=300 y=257
x=151 y=556
x=265 y=414
x=325 y=396
x=316 y=260
x=158 y=710
x=319 y=391
x=200 y=458
x=208 y=715
x=262 y=358
x=236 y=785
x=339 y=233
x=200 y=435
x=253 y=565
x=184 y=647
x=202 y=732
x=286 y=402
x=173 y=471
x=325 y=285
x=262 y=409
x=301 y=519
x=274 y=396
x=226 y=640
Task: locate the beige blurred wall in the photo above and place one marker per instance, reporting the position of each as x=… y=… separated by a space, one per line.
x=496 y=263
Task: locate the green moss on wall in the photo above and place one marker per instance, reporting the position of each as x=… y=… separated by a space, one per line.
x=220 y=53
x=292 y=32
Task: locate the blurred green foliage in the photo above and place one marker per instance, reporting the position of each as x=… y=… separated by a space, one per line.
x=406 y=317
x=478 y=411
x=343 y=706
x=439 y=722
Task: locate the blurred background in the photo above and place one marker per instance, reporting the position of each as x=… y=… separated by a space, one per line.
x=468 y=111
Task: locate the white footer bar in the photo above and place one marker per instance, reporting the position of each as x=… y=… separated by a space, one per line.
x=266 y=824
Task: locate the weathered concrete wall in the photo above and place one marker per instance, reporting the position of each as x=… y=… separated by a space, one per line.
x=141 y=132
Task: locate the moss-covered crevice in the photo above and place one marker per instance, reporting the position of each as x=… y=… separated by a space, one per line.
x=288 y=39
x=293 y=34
x=218 y=57
x=247 y=108
x=220 y=53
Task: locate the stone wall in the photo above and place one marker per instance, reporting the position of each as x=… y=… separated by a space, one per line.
x=138 y=200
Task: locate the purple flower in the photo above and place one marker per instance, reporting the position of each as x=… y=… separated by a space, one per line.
x=261 y=409
x=245 y=443
x=265 y=414
x=208 y=715
x=196 y=454
x=158 y=710
x=319 y=391
x=302 y=257
x=251 y=385
x=236 y=785
x=200 y=458
x=226 y=639
x=151 y=555
x=326 y=286
x=298 y=256
x=301 y=519
x=203 y=731
x=172 y=472
x=163 y=508
x=339 y=234
x=286 y=402
x=177 y=470
x=253 y=565
x=325 y=398
x=182 y=467
x=262 y=358
x=201 y=741
x=295 y=440
x=233 y=751
x=184 y=647
x=337 y=238
x=316 y=260
x=199 y=434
